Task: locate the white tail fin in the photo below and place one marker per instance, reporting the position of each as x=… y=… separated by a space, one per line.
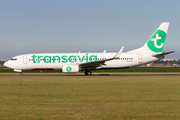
x=155 y=44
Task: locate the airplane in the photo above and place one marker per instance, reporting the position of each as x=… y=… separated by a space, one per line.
x=75 y=62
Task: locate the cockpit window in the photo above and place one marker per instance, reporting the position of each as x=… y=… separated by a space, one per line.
x=13 y=59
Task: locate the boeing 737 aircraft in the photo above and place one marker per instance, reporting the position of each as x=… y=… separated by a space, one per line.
x=75 y=62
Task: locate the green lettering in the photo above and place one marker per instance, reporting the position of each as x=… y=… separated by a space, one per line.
x=81 y=59
x=49 y=61
x=64 y=59
x=33 y=57
x=93 y=56
x=72 y=57
x=86 y=57
x=39 y=58
x=54 y=58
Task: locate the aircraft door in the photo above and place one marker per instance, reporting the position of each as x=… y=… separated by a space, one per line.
x=140 y=58
x=25 y=59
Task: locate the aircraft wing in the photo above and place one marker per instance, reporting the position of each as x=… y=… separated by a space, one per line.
x=162 y=54
x=98 y=63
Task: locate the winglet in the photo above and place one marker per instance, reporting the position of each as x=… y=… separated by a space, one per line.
x=118 y=53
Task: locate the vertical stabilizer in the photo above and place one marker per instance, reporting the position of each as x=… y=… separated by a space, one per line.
x=156 y=42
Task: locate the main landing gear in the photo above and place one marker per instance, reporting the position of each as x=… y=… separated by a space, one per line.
x=21 y=73
x=88 y=72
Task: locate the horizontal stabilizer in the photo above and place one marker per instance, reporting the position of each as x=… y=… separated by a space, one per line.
x=162 y=54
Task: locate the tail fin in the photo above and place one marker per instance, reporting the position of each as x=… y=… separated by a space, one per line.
x=155 y=44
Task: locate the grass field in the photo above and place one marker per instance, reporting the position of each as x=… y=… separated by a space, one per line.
x=90 y=98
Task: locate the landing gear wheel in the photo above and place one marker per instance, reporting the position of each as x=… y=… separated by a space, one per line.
x=21 y=73
x=88 y=72
x=85 y=73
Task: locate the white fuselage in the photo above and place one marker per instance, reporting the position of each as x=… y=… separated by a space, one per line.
x=55 y=61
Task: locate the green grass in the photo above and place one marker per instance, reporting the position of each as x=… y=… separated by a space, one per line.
x=90 y=98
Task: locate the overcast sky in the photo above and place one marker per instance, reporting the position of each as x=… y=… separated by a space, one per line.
x=34 y=26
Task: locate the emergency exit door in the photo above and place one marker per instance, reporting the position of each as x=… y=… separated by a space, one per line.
x=25 y=59
x=140 y=58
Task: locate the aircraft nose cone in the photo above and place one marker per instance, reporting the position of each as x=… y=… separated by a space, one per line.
x=6 y=64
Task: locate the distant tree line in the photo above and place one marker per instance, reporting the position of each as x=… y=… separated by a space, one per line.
x=2 y=62
x=171 y=62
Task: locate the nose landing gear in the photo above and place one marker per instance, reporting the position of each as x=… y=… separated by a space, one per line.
x=21 y=73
